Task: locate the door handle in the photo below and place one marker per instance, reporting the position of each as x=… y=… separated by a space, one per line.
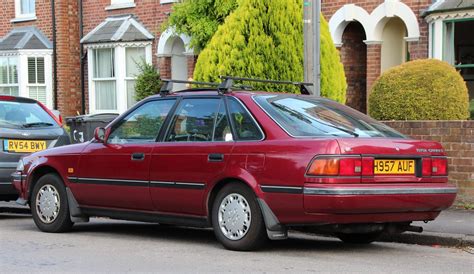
x=215 y=157
x=138 y=156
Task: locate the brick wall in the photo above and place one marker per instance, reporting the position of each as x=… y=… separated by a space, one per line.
x=354 y=52
x=457 y=138
x=43 y=14
x=417 y=49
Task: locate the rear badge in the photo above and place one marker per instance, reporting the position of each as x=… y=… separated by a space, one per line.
x=397 y=148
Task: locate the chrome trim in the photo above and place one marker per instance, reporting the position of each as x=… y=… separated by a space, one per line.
x=6 y=183
x=378 y=190
x=106 y=180
x=177 y=185
x=282 y=189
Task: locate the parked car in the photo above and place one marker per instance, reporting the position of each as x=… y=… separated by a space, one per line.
x=26 y=126
x=250 y=165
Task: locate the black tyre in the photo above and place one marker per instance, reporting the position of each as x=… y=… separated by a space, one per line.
x=359 y=238
x=49 y=205
x=237 y=219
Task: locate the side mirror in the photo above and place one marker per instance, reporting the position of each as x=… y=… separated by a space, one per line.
x=99 y=134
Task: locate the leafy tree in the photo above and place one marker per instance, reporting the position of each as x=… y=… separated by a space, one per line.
x=148 y=81
x=264 y=39
x=199 y=19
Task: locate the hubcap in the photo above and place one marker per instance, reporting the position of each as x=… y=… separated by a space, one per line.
x=47 y=203
x=234 y=216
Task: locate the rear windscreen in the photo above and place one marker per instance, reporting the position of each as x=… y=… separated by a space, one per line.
x=24 y=115
x=311 y=116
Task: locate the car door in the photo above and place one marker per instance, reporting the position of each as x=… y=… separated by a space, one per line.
x=115 y=174
x=191 y=156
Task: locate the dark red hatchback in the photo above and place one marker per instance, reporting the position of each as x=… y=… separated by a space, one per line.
x=251 y=165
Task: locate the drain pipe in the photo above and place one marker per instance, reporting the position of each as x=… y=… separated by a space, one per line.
x=55 y=60
x=83 y=57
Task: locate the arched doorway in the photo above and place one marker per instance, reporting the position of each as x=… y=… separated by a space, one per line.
x=354 y=58
x=179 y=63
x=394 y=47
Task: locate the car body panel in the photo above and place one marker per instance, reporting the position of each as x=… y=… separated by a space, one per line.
x=181 y=180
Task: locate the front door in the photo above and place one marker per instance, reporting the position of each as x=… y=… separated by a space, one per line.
x=191 y=156
x=116 y=174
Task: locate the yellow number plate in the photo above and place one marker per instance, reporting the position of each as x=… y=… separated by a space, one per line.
x=24 y=146
x=394 y=167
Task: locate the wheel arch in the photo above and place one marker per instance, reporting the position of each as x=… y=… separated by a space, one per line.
x=39 y=172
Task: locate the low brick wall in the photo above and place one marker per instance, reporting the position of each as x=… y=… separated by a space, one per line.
x=457 y=138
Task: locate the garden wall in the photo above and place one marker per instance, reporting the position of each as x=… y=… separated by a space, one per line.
x=457 y=138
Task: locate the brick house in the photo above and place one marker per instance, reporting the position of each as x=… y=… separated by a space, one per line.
x=111 y=36
x=28 y=51
x=374 y=36
x=118 y=35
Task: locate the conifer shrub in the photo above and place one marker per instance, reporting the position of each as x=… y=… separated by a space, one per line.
x=148 y=81
x=264 y=39
x=420 y=90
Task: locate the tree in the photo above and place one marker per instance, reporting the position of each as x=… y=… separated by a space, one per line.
x=199 y=19
x=148 y=81
x=264 y=39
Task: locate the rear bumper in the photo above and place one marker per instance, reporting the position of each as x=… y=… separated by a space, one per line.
x=316 y=204
x=350 y=199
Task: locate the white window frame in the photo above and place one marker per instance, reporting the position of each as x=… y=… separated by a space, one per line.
x=120 y=73
x=22 y=68
x=19 y=16
x=168 y=1
x=17 y=84
x=36 y=85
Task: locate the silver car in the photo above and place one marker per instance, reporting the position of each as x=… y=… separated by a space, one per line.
x=26 y=126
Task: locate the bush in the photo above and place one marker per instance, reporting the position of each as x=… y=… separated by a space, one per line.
x=264 y=39
x=420 y=90
x=148 y=81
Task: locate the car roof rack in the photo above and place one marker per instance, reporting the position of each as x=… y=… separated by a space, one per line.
x=228 y=82
x=167 y=86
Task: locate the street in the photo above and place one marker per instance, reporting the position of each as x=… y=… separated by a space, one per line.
x=120 y=246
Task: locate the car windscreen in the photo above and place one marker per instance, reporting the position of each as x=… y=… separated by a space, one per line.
x=24 y=115
x=316 y=117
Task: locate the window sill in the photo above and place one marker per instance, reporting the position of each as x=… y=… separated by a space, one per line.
x=120 y=6
x=168 y=1
x=23 y=19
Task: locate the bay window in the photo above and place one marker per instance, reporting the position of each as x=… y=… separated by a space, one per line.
x=9 y=76
x=113 y=75
x=36 y=80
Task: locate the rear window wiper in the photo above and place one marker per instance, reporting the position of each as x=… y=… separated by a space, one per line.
x=37 y=124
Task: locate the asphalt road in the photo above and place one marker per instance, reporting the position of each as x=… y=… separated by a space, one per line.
x=119 y=246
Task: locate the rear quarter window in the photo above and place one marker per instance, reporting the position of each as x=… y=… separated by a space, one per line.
x=319 y=117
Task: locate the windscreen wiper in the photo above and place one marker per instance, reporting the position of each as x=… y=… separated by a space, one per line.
x=36 y=124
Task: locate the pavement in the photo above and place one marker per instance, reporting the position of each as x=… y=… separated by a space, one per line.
x=453 y=228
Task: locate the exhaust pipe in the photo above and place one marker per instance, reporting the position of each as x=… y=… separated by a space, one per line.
x=413 y=228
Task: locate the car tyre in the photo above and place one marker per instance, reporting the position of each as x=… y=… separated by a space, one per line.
x=237 y=219
x=359 y=238
x=49 y=205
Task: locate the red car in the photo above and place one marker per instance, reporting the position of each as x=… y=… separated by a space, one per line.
x=251 y=165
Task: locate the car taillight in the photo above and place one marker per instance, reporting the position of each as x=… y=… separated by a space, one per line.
x=439 y=166
x=435 y=166
x=341 y=166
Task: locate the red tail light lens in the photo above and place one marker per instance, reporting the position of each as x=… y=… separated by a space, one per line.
x=435 y=166
x=426 y=167
x=439 y=166
x=367 y=166
x=339 y=166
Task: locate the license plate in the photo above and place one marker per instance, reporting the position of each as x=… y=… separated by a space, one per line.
x=23 y=146
x=394 y=167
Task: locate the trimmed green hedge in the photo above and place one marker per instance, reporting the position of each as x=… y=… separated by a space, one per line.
x=420 y=90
